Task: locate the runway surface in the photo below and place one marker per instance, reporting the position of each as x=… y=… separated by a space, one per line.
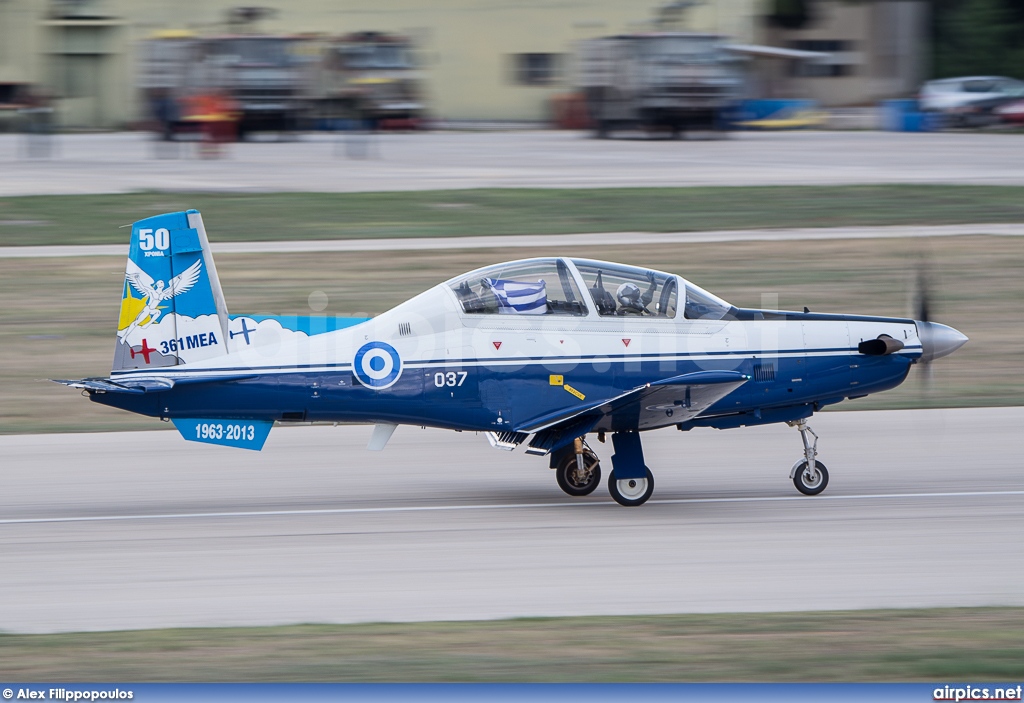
x=138 y=530
x=122 y=162
x=542 y=240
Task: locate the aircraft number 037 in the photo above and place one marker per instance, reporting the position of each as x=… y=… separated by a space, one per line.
x=450 y=379
x=215 y=430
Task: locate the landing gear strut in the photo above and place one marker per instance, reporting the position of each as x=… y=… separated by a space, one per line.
x=630 y=482
x=809 y=475
x=578 y=472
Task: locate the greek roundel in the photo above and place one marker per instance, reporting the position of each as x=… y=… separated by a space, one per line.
x=377 y=365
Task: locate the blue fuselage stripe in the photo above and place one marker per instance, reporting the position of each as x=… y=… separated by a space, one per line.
x=497 y=361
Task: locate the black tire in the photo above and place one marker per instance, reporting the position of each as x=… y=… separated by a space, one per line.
x=810 y=485
x=565 y=474
x=631 y=495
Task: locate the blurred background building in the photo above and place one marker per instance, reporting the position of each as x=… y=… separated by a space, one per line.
x=462 y=59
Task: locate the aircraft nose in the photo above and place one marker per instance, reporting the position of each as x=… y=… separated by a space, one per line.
x=938 y=340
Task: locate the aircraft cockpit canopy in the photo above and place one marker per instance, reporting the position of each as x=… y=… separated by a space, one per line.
x=537 y=287
x=548 y=287
x=629 y=290
x=618 y=289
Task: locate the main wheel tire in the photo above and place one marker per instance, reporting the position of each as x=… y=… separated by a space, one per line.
x=810 y=483
x=631 y=492
x=568 y=479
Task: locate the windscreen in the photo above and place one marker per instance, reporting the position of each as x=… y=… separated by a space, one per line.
x=701 y=305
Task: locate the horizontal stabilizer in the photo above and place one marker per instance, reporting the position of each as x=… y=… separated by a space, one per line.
x=153 y=384
x=105 y=385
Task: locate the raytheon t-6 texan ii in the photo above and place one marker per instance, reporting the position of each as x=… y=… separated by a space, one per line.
x=542 y=352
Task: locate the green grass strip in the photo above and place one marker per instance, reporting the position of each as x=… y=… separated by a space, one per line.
x=94 y=219
x=885 y=645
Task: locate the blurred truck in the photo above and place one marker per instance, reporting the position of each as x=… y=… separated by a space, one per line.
x=268 y=77
x=372 y=77
x=674 y=81
x=284 y=82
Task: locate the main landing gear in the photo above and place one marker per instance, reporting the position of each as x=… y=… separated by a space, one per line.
x=631 y=491
x=578 y=472
x=630 y=483
x=809 y=481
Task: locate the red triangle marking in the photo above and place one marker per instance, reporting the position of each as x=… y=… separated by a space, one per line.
x=497 y=345
x=626 y=342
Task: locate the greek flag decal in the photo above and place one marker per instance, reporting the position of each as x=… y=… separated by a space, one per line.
x=518 y=298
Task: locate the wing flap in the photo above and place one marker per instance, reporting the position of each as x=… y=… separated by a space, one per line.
x=669 y=403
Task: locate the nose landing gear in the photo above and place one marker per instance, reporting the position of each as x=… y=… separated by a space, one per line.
x=809 y=475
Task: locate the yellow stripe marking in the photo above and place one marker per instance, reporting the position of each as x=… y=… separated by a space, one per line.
x=574 y=391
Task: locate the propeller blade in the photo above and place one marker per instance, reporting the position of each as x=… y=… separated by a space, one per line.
x=922 y=312
x=922 y=294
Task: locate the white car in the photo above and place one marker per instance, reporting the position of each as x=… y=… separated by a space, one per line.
x=969 y=100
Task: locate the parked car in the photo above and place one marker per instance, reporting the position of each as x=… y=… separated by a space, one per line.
x=1011 y=112
x=970 y=101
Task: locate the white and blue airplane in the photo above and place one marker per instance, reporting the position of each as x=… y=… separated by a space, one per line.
x=540 y=352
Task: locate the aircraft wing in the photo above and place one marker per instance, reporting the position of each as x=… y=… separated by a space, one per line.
x=653 y=405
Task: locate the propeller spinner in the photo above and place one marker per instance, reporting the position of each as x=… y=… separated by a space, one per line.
x=936 y=340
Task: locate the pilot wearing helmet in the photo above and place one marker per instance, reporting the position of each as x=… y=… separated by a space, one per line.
x=632 y=301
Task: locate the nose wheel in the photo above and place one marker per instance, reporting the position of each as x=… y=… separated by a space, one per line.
x=808 y=481
x=809 y=475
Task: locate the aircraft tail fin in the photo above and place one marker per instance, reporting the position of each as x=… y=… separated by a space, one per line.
x=172 y=306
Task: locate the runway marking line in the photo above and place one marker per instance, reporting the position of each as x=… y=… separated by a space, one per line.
x=495 y=506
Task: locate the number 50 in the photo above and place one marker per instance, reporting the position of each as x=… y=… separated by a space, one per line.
x=161 y=239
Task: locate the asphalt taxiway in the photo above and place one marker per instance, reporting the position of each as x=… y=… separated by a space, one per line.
x=129 y=161
x=563 y=241
x=137 y=530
